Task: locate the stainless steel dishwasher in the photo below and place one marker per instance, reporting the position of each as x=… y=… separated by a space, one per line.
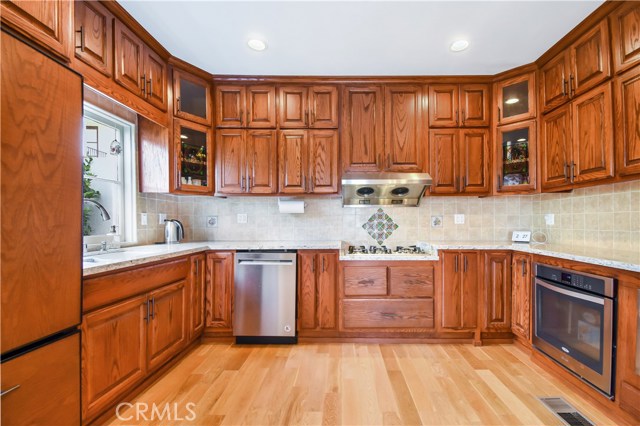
x=264 y=309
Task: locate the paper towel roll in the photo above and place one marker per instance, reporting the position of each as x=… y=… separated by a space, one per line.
x=291 y=206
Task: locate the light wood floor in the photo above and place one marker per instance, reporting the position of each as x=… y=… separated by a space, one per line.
x=359 y=384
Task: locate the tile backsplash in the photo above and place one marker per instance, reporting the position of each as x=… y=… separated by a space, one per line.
x=607 y=215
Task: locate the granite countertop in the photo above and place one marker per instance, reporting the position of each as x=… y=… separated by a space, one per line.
x=139 y=255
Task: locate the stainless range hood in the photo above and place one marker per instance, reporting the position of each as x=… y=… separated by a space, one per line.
x=383 y=189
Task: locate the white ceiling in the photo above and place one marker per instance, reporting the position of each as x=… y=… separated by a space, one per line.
x=358 y=37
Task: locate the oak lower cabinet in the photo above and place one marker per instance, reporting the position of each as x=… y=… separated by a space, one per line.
x=219 y=293
x=196 y=295
x=521 y=297
x=393 y=298
x=497 y=291
x=627 y=143
x=317 y=288
x=458 y=293
x=628 y=356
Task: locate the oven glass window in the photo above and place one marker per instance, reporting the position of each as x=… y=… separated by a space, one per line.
x=571 y=324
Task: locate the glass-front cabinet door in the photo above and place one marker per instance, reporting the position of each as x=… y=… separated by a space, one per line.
x=192 y=98
x=193 y=154
x=515 y=157
x=516 y=99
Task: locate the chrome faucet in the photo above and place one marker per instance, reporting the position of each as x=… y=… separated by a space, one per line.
x=103 y=212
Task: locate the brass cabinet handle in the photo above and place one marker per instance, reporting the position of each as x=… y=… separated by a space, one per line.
x=144 y=84
x=572 y=90
x=178 y=103
x=323 y=264
x=466 y=264
x=313 y=117
x=455 y=266
x=153 y=308
x=313 y=264
x=499 y=115
x=249 y=181
x=573 y=166
x=150 y=81
x=464 y=182
x=463 y=117
x=457 y=184
x=11 y=389
x=148 y=316
x=388 y=161
x=456 y=118
x=242 y=184
x=81 y=31
x=499 y=182
x=564 y=86
x=566 y=174
x=524 y=268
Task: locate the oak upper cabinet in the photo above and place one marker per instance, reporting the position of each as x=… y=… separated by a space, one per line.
x=196 y=296
x=584 y=65
x=515 y=157
x=167 y=331
x=625 y=36
x=362 y=128
x=246 y=161
x=219 y=293
x=516 y=98
x=497 y=291
x=308 y=161
x=94 y=35
x=317 y=278
x=192 y=98
x=313 y=107
x=48 y=23
x=459 y=161
x=245 y=106
x=627 y=143
x=521 y=296
x=464 y=105
x=192 y=152
x=405 y=144
x=459 y=289
x=138 y=68
x=577 y=141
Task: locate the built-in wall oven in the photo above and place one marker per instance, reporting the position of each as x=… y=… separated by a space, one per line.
x=574 y=323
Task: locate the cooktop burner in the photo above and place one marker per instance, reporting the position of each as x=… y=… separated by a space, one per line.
x=385 y=250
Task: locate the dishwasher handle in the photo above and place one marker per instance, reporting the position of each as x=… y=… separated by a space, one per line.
x=259 y=262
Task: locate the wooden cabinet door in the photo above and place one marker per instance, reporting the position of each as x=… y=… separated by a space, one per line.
x=294 y=107
x=49 y=23
x=443 y=105
x=451 y=291
x=362 y=129
x=515 y=157
x=627 y=357
x=627 y=119
x=114 y=347
x=155 y=74
x=261 y=159
x=41 y=195
x=191 y=141
x=129 y=62
x=625 y=34
x=590 y=59
x=443 y=161
x=307 y=290
x=474 y=161
x=592 y=135
x=42 y=386
x=292 y=161
x=261 y=107
x=230 y=106
x=192 y=98
x=326 y=286
x=497 y=291
x=230 y=161
x=516 y=98
x=323 y=161
x=474 y=105
x=411 y=281
x=154 y=150
x=323 y=103
x=404 y=125
x=196 y=296
x=521 y=296
x=219 y=292
x=167 y=328
x=554 y=81
x=94 y=35
x=555 y=149
x=470 y=266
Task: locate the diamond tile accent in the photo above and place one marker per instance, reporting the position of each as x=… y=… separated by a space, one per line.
x=380 y=226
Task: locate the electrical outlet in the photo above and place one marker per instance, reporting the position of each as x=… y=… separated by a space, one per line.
x=436 y=221
x=458 y=219
x=161 y=218
x=549 y=219
x=143 y=219
x=242 y=218
x=212 y=221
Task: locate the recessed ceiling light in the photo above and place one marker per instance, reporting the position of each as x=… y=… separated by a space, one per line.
x=184 y=137
x=522 y=140
x=512 y=101
x=257 y=44
x=459 y=45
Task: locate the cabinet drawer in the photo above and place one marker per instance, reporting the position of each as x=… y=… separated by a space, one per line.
x=409 y=281
x=365 y=281
x=49 y=385
x=388 y=313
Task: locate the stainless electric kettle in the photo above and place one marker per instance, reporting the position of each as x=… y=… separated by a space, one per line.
x=173 y=231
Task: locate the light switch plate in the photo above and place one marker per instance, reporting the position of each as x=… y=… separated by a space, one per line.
x=242 y=218
x=143 y=219
x=458 y=219
x=161 y=218
x=521 y=236
x=549 y=219
x=212 y=221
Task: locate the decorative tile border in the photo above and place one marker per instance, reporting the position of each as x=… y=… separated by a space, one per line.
x=380 y=226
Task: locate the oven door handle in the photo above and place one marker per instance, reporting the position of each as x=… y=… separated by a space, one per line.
x=577 y=295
